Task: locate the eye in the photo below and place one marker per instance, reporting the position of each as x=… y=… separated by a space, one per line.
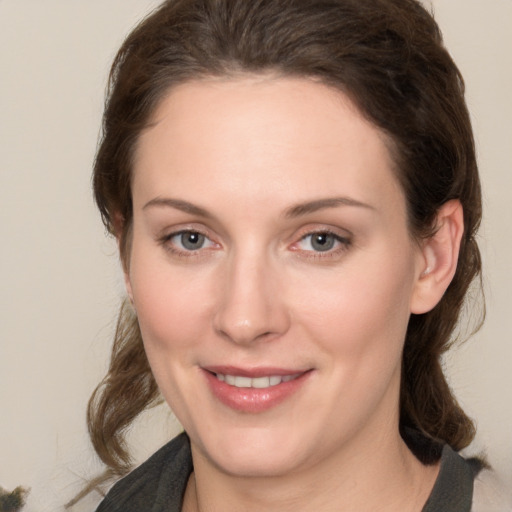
x=187 y=241
x=322 y=241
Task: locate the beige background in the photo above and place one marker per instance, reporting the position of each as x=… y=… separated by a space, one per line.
x=60 y=283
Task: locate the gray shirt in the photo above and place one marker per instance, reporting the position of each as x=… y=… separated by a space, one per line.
x=158 y=485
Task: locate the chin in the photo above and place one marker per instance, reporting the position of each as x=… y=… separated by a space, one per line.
x=255 y=465
x=253 y=452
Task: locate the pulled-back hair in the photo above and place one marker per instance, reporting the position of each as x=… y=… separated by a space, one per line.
x=388 y=57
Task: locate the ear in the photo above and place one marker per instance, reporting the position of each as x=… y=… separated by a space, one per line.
x=128 y=285
x=438 y=258
x=118 y=224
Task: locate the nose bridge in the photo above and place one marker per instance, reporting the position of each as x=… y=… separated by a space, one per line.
x=250 y=306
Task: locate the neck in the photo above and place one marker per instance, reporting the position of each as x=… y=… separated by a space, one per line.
x=377 y=473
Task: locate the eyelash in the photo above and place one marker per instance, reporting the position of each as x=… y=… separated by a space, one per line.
x=165 y=241
x=343 y=244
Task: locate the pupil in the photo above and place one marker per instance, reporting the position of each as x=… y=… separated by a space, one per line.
x=322 y=242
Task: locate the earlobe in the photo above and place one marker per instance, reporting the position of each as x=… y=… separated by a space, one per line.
x=439 y=256
x=128 y=286
x=118 y=225
x=127 y=280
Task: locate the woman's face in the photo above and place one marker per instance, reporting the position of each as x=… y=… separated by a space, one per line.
x=272 y=272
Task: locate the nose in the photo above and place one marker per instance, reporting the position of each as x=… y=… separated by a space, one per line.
x=251 y=306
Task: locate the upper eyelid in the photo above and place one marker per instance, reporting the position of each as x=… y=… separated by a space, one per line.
x=168 y=233
x=342 y=233
x=325 y=231
x=210 y=228
x=177 y=232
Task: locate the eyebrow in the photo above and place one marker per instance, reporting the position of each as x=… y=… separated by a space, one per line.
x=322 y=204
x=297 y=210
x=178 y=204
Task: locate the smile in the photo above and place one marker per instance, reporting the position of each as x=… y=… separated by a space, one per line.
x=254 y=391
x=257 y=382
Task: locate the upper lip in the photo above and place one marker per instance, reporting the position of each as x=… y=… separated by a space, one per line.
x=255 y=372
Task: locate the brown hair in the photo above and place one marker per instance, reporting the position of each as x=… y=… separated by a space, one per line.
x=388 y=56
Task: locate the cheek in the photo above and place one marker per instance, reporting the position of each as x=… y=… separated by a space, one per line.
x=359 y=312
x=171 y=302
x=358 y=323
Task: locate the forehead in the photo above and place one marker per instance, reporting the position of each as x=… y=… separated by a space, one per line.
x=266 y=136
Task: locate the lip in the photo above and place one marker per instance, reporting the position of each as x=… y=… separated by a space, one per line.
x=253 y=400
x=260 y=371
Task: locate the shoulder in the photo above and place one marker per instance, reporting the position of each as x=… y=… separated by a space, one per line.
x=490 y=493
x=161 y=479
x=465 y=485
x=453 y=489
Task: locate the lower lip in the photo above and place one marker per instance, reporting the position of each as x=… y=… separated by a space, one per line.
x=254 y=400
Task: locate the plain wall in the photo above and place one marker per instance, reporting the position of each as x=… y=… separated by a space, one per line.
x=60 y=280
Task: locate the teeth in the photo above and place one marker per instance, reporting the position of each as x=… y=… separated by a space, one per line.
x=258 y=382
x=273 y=381
x=262 y=382
x=243 y=382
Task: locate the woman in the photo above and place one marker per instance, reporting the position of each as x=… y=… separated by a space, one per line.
x=294 y=190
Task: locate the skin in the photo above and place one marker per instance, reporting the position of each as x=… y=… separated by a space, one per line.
x=242 y=154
